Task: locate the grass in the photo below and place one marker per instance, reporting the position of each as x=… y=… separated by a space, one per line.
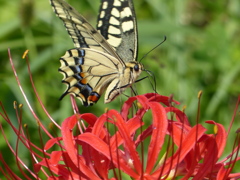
x=202 y=52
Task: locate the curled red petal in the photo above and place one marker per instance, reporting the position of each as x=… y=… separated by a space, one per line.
x=128 y=104
x=159 y=98
x=68 y=138
x=132 y=125
x=99 y=125
x=51 y=142
x=159 y=128
x=221 y=137
x=89 y=118
x=181 y=116
x=129 y=145
x=55 y=157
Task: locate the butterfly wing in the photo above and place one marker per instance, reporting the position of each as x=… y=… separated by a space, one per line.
x=94 y=65
x=117 y=24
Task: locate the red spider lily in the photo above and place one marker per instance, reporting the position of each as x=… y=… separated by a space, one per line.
x=118 y=145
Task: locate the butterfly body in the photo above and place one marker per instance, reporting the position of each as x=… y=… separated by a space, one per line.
x=102 y=60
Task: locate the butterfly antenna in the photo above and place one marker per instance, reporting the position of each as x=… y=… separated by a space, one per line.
x=165 y=38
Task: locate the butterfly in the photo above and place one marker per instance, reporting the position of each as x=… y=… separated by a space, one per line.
x=104 y=59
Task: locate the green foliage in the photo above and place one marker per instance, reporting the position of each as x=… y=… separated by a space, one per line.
x=202 y=52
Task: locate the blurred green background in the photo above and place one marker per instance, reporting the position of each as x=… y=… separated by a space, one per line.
x=202 y=52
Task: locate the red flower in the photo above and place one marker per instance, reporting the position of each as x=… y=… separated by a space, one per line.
x=145 y=146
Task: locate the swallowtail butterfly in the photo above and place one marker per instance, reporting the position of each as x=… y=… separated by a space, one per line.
x=104 y=59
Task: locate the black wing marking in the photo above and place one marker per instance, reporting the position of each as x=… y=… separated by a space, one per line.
x=117 y=23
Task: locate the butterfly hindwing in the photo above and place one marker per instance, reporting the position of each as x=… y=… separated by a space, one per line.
x=86 y=76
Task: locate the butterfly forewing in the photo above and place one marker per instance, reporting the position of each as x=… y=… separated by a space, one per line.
x=81 y=32
x=98 y=64
x=117 y=24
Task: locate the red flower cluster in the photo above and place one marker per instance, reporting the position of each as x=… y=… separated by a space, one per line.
x=156 y=142
x=141 y=148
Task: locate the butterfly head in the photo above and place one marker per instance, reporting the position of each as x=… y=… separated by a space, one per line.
x=135 y=67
